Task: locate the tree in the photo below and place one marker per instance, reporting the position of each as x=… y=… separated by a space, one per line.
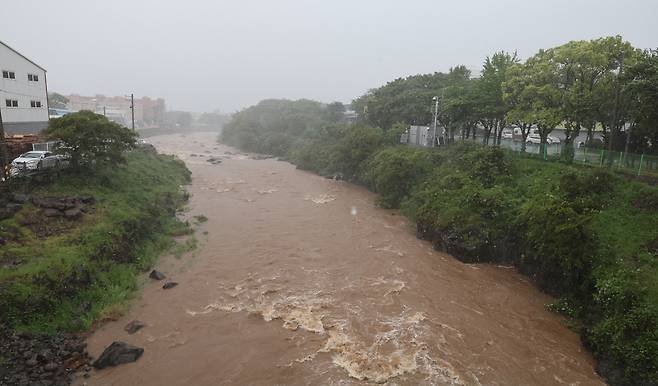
x=520 y=111
x=585 y=75
x=334 y=112
x=406 y=100
x=492 y=108
x=542 y=94
x=91 y=139
x=357 y=144
x=579 y=66
x=57 y=101
x=642 y=83
x=459 y=109
x=615 y=112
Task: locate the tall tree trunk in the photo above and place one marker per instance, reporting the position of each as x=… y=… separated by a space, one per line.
x=572 y=131
x=525 y=130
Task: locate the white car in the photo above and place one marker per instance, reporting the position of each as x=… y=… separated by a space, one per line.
x=535 y=139
x=35 y=160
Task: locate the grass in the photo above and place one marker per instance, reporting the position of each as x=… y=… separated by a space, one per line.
x=82 y=270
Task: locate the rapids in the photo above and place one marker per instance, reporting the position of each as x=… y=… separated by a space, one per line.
x=302 y=280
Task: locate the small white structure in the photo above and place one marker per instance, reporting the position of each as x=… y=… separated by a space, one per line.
x=418 y=136
x=23 y=93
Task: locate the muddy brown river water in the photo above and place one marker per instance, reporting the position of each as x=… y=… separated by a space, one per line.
x=301 y=280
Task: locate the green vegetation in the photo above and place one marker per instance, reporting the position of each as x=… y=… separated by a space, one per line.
x=603 y=85
x=62 y=274
x=91 y=140
x=586 y=236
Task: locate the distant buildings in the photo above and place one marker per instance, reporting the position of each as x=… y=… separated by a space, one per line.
x=23 y=93
x=350 y=117
x=148 y=112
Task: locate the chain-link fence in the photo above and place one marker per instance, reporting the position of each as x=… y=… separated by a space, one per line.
x=637 y=164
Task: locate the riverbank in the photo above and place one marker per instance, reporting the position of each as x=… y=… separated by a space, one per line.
x=73 y=248
x=586 y=236
x=300 y=279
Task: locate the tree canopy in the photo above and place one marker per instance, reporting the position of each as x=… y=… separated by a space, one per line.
x=91 y=139
x=594 y=85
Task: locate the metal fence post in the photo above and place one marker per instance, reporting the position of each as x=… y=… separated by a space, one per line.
x=639 y=169
x=601 y=163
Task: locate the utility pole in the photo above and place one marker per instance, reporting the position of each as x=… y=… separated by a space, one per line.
x=3 y=149
x=105 y=115
x=436 y=113
x=132 y=108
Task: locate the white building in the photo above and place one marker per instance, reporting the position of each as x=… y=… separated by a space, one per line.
x=23 y=93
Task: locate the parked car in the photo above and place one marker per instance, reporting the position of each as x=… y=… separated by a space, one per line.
x=552 y=139
x=35 y=160
x=534 y=138
x=507 y=134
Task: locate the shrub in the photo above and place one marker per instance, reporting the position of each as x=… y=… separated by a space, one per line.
x=394 y=171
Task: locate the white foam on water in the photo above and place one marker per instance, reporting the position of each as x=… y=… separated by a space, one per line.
x=320 y=199
x=267 y=191
x=393 y=346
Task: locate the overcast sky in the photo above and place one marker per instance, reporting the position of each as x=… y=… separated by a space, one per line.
x=202 y=55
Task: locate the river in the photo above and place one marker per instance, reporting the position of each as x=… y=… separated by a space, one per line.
x=302 y=280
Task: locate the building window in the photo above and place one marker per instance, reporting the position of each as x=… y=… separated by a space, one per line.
x=36 y=78
x=35 y=104
x=32 y=77
x=8 y=74
x=11 y=102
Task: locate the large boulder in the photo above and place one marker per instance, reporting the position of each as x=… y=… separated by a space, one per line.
x=118 y=353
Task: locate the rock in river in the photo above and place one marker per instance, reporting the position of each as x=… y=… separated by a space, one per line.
x=118 y=353
x=169 y=284
x=134 y=326
x=157 y=275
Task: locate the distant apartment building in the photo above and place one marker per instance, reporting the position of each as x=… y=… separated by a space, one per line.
x=148 y=112
x=23 y=93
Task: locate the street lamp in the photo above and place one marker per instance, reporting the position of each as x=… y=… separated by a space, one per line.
x=436 y=113
x=132 y=109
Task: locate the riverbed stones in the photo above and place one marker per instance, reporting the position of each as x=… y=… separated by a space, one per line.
x=134 y=326
x=118 y=353
x=68 y=207
x=32 y=359
x=157 y=275
x=169 y=284
x=73 y=213
x=214 y=161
